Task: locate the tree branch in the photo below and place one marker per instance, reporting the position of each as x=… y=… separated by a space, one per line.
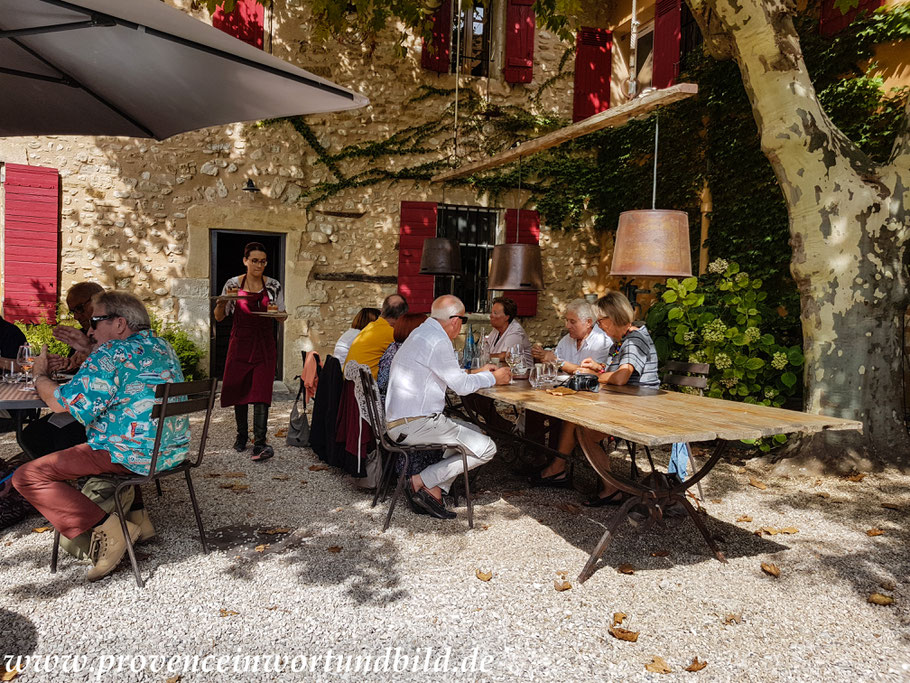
x=717 y=41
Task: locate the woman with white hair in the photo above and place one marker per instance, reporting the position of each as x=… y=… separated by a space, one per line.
x=584 y=340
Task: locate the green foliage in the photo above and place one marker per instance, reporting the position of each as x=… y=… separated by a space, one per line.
x=186 y=349
x=721 y=319
x=42 y=333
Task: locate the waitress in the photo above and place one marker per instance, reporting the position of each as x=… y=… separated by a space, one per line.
x=249 y=369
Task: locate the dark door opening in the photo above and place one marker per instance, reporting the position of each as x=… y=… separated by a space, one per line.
x=227 y=261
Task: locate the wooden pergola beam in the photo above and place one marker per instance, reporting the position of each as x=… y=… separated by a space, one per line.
x=605 y=119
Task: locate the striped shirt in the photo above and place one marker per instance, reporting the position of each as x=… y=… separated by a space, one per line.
x=636 y=349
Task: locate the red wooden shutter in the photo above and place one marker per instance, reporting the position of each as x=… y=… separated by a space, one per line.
x=519 y=65
x=524 y=230
x=32 y=219
x=436 y=53
x=832 y=20
x=245 y=22
x=666 y=43
x=418 y=221
x=593 y=64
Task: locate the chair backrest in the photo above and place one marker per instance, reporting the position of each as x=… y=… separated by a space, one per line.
x=680 y=374
x=183 y=398
x=375 y=412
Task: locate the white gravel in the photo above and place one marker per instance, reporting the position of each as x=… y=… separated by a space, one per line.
x=415 y=587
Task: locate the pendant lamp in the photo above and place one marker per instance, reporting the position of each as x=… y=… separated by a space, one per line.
x=441 y=256
x=652 y=242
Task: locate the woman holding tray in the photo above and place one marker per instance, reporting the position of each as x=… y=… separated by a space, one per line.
x=254 y=300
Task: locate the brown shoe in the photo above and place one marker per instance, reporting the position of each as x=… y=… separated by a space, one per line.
x=141 y=518
x=108 y=546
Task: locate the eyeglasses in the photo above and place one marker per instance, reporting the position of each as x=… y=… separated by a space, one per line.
x=258 y=261
x=101 y=318
x=600 y=320
x=462 y=318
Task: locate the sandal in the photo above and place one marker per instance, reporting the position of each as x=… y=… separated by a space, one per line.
x=615 y=498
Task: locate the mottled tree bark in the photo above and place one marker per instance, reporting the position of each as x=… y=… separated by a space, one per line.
x=848 y=227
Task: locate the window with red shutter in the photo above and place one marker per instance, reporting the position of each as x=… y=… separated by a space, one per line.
x=418 y=221
x=30 y=243
x=523 y=227
x=520 y=33
x=436 y=52
x=593 y=64
x=246 y=22
x=832 y=20
x=667 y=31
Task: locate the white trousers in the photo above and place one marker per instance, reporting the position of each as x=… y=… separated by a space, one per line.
x=440 y=429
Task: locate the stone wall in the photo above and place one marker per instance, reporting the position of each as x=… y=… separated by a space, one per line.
x=136 y=214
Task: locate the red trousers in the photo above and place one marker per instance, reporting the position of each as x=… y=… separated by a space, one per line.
x=43 y=483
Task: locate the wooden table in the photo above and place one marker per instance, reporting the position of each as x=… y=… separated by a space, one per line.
x=655 y=417
x=13 y=399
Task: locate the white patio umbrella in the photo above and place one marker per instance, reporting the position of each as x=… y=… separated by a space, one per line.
x=140 y=68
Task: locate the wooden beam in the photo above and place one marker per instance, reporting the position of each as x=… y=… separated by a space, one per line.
x=357 y=277
x=605 y=119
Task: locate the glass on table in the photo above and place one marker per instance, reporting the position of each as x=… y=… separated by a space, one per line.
x=477 y=363
x=26 y=358
x=537 y=376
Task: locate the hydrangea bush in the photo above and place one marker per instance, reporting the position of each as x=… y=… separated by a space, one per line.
x=719 y=319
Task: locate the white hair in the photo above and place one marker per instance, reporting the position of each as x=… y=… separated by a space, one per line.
x=582 y=309
x=445 y=307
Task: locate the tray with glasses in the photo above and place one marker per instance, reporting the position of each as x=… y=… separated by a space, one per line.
x=234 y=296
x=271 y=314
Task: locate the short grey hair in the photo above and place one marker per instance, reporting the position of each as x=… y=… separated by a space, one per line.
x=582 y=309
x=445 y=307
x=126 y=306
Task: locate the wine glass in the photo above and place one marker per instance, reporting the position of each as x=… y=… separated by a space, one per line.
x=537 y=376
x=514 y=359
x=26 y=358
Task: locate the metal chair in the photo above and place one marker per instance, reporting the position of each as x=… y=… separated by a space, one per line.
x=391 y=449
x=177 y=399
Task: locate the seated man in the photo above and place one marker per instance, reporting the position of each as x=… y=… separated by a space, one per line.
x=368 y=347
x=112 y=395
x=57 y=431
x=422 y=369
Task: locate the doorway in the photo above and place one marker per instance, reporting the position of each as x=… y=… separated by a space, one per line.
x=227 y=261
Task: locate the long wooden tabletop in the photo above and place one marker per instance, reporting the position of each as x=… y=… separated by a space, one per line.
x=13 y=398
x=654 y=417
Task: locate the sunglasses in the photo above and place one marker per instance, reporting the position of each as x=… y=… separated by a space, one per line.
x=101 y=318
x=462 y=318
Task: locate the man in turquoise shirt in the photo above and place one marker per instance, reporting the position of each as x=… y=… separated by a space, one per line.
x=112 y=395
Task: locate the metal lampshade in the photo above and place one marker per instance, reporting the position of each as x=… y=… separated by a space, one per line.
x=652 y=243
x=440 y=256
x=516 y=267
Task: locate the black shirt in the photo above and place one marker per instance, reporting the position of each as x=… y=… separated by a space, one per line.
x=11 y=338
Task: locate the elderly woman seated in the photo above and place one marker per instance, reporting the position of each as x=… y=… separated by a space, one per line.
x=633 y=362
x=507 y=332
x=363 y=318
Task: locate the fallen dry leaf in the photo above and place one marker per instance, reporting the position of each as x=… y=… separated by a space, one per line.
x=234 y=475
x=42 y=529
x=625 y=569
x=261 y=548
x=767 y=530
x=213 y=475
x=9 y=674
x=561 y=586
x=696 y=665
x=771 y=569
x=888 y=585
x=282 y=432
x=857 y=476
x=875 y=531
x=303 y=482
x=716 y=501
x=228 y=612
x=823 y=494
x=571 y=508
x=623 y=634
x=879 y=599
x=789 y=530
x=891 y=506
x=731 y=618
x=757 y=484
x=318 y=468
x=483 y=576
x=174 y=679
x=281 y=477
x=618 y=617
x=658 y=665
x=334 y=548
x=660 y=553
x=235 y=487
x=744 y=518
x=277 y=530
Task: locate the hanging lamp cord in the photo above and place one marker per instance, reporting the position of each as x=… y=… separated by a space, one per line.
x=654 y=185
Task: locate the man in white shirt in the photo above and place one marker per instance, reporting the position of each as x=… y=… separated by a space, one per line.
x=584 y=340
x=423 y=367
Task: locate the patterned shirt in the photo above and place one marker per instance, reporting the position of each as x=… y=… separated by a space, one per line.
x=113 y=394
x=636 y=349
x=272 y=286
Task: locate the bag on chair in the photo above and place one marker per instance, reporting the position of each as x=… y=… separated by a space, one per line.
x=299 y=425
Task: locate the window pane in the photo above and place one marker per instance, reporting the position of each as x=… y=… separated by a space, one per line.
x=474 y=229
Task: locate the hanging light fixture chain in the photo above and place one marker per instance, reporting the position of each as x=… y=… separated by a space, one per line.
x=654 y=186
x=458 y=30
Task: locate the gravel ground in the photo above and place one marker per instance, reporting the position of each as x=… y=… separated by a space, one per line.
x=331 y=584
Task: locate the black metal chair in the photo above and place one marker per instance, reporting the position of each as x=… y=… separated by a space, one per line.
x=392 y=450
x=177 y=399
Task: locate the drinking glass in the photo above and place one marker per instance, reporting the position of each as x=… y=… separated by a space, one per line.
x=537 y=376
x=26 y=358
x=551 y=372
x=477 y=363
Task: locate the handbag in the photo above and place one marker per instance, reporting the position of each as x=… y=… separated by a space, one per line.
x=582 y=382
x=299 y=425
